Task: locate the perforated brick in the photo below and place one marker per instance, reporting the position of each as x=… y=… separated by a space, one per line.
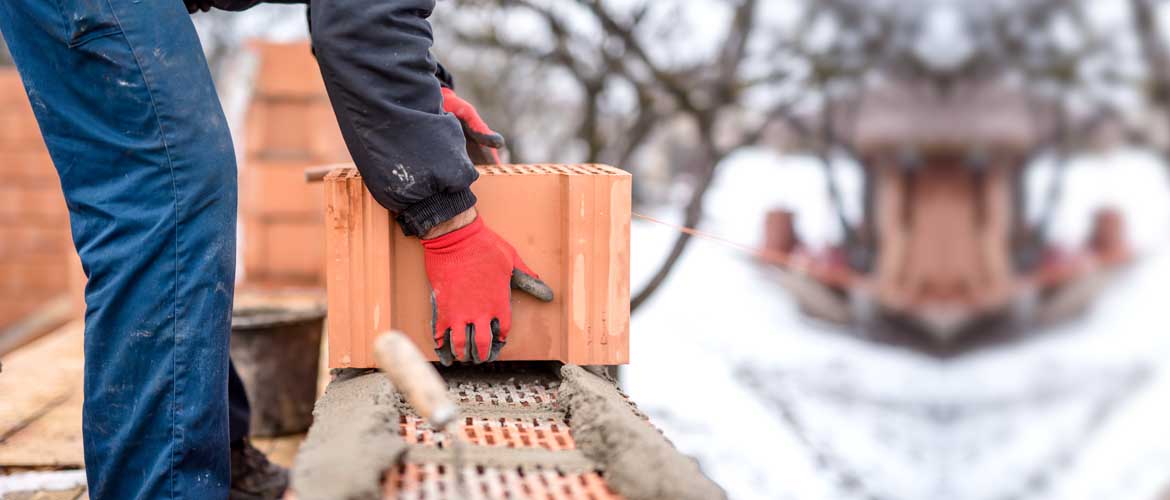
x=436 y=482
x=570 y=223
x=508 y=432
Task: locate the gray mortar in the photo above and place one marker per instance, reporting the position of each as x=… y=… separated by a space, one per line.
x=639 y=463
x=354 y=439
x=566 y=461
x=542 y=411
x=518 y=412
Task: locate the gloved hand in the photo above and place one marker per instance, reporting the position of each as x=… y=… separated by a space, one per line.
x=470 y=270
x=483 y=144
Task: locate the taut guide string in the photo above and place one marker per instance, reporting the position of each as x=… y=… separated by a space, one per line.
x=702 y=235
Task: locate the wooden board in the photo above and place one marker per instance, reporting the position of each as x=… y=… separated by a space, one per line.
x=40 y=411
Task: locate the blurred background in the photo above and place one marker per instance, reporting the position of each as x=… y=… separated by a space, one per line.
x=932 y=249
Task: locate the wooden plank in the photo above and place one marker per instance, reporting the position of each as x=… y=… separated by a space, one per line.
x=53 y=440
x=40 y=413
x=45 y=319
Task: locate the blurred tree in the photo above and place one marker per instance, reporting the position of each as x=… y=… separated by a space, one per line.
x=626 y=82
x=1151 y=36
x=607 y=68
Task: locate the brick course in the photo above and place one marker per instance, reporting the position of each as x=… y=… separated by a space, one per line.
x=290 y=127
x=35 y=248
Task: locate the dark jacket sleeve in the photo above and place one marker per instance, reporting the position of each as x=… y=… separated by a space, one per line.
x=384 y=86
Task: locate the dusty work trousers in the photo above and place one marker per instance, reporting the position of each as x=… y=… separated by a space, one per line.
x=126 y=105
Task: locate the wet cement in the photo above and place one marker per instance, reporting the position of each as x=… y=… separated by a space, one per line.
x=519 y=412
x=354 y=439
x=543 y=411
x=566 y=461
x=639 y=463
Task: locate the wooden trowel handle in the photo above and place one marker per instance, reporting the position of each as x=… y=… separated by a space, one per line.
x=412 y=375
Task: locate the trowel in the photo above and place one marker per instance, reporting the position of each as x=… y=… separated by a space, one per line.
x=424 y=389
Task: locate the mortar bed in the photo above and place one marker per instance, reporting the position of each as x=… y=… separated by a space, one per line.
x=546 y=433
x=438 y=482
x=522 y=441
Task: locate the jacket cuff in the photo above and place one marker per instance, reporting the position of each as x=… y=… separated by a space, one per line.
x=419 y=218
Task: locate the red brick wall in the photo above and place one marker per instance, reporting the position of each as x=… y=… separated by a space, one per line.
x=36 y=252
x=290 y=127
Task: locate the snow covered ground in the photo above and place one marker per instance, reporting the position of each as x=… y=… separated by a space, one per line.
x=775 y=405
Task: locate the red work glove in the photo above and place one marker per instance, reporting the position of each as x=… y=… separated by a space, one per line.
x=483 y=144
x=470 y=269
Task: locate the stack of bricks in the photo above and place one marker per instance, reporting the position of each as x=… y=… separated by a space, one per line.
x=290 y=127
x=36 y=252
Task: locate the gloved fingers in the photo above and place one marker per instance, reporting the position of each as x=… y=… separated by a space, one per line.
x=473 y=125
x=481 y=155
x=483 y=135
x=444 y=349
x=498 y=339
x=526 y=281
x=480 y=337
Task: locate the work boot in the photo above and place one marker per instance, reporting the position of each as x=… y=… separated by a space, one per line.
x=253 y=476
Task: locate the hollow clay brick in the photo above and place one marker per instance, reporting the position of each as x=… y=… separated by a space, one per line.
x=34 y=274
x=570 y=223
x=27 y=166
x=301 y=130
x=325 y=142
x=35 y=247
x=290 y=127
x=23 y=240
x=38 y=204
x=11 y=89
x=284 y=251
x=279 y=129
x=286 y=70
x=271 y=188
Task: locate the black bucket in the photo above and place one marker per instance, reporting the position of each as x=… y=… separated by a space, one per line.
x=277 y=352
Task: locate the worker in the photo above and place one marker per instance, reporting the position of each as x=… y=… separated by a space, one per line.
x=125 y=103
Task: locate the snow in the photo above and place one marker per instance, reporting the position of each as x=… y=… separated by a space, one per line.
x=776 y=405
x=41 y=481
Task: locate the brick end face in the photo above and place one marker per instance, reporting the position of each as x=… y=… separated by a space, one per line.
x=571 y=226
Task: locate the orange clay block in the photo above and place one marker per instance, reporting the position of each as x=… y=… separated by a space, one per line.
x=570 y=223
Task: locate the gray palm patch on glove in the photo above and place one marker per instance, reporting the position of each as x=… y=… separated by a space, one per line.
x=520 y=281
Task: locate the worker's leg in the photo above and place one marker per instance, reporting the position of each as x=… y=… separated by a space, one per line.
x=127 y=108
x=239 y=410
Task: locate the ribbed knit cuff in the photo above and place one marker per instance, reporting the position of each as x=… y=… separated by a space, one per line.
x=419 y=218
